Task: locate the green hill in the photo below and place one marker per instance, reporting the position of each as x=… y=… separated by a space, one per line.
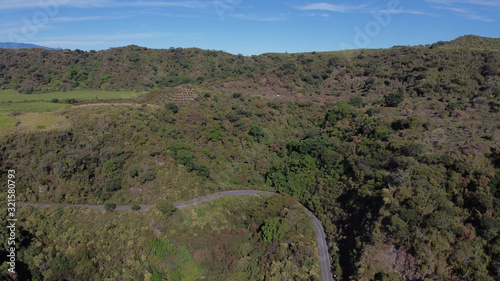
x=396 y=151
x=475 y=42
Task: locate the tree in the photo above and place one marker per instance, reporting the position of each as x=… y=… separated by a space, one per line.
x=172 y=107
x=215 y=134
x=149 y=175
x=113 y=184
x=273 y=230
x=341 y=110
x=394 y=99
x=489 y=227
x=166 y=208
x=256 y=133
x=109 y=207
x=356 y=101
x=202 y=171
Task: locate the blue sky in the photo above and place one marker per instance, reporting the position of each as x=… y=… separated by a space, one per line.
x=244 y=26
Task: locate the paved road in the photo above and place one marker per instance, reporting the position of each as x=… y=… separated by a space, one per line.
x=93 y=207
x=324 y=258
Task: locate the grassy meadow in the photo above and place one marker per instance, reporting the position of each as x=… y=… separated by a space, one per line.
x=36 y=112
x=16 y=97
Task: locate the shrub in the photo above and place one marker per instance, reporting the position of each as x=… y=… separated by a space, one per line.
x=136 y=207
x=394 y=99
x=202 y=171
x=273 y=230
x=381 y=132
x=133 y=172
x=172 y=107
x=109 y=207
x=113 y=165
x=215 y=134
x=113 y=184
x=356 y=101
x=256 y=133
x=341 y=110
x=167 y=209
x=489 y=227
x=149 y=175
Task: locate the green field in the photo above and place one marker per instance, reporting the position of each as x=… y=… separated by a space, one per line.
x=12 y=101
x=31 y=107
x=6 y=121
x=15 y=97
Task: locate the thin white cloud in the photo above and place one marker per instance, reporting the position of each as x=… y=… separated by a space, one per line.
x=258 y=17
x=489 y=3
x=365 y=8
x=56 y=4
x=78 y=19
x=465 y=13
x=416 y=12
x=52 y=4
x=331 y=7
x=479 y=17
x=150 y=4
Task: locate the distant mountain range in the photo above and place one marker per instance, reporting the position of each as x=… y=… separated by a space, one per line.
x=13 y=45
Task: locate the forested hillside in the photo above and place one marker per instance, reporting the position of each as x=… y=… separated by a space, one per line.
x=396 y=151
x=436 y=70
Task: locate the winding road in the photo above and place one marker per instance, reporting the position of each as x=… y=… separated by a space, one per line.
x=324 y=258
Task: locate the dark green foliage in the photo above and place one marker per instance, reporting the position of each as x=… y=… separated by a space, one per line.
x=202 y=171
x=113 y=184
x=489 y=227
x=356 y=101
x=160 y=248
x=133 y=172
x=82 y=265
x=232 y=117
x=275 y=204
x=148 y=175
x=108 y=206
x=381 y=132
x=64 y=170
x=421 y=181
x=394 y=99
x=157 y=277
x=438 y=44
x=341 y=110
x=114 y=165
x=172 y=107
x=185 y=157
x=256 y=133
x=273 y=230
x=135 y=207
x=166 y=208
x=489 y=69
x=215 y=134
